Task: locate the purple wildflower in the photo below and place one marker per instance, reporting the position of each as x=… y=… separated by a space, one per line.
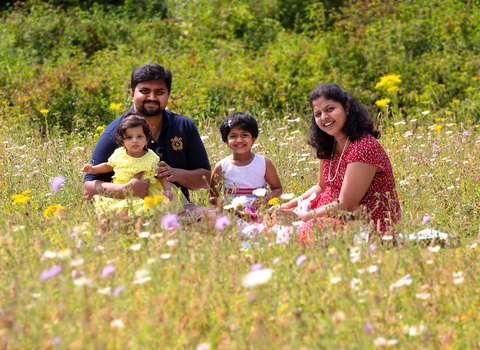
x=455 y=163
x=73 y=235
x=118 y=290
x=276 y=261
x=222 y=222
x=368 y=328
x=170 y=221
x=51 y=273
x=79 y=243
x=57 y=340
x=256 y=267
x=426 y=219
x=57 y=183
x=372 y=247
x=301 y=259
x=406 y=277
x=107 y=270
x=466 y=134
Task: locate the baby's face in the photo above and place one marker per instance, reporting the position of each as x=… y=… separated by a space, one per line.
x=239 y=140
x=135 y=141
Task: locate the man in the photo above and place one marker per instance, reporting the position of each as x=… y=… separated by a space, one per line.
x=184 y=160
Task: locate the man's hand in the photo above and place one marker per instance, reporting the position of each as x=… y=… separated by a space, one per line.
x=137 y=186
x=165 y=170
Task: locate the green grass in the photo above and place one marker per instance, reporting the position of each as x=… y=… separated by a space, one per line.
x=196 y=295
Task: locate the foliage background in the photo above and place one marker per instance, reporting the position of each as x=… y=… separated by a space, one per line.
x=260 y=56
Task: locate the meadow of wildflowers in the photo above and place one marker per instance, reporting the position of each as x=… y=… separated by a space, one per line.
x=164 y=284
x=168 y=285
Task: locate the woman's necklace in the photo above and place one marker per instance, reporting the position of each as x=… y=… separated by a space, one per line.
x=338 y=166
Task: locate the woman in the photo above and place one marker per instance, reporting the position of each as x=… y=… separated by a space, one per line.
x=355 y=174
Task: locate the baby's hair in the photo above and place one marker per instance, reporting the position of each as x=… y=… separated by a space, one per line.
x=132 y=120
x=245 y=121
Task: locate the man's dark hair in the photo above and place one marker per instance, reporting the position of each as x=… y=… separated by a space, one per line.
x=245 y=121
x=359 y=121
x=132 y=120
x=149 y=72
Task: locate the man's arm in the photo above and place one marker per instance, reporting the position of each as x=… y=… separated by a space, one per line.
x=195 y=179
x=136 y=186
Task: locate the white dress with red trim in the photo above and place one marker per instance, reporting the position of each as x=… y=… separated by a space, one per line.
x=243 y=180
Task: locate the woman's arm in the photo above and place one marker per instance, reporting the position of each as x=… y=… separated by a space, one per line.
x=215 y=180
x=97 y=169
x=356 y=182
x=273 y=181
x=318 y=188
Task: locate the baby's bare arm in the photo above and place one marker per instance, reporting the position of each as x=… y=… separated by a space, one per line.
x=97 y=169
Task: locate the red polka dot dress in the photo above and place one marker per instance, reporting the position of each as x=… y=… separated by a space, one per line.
x=380 y=202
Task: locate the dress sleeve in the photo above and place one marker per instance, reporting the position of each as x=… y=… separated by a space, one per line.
x=369 y=151
x=112 y=160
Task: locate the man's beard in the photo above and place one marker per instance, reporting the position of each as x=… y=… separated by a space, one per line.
x=150 y=112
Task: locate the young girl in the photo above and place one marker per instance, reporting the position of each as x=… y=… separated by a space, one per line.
x=131 y=158
x=243 y=172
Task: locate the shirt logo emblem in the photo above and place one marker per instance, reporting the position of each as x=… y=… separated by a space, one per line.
x=177 y=143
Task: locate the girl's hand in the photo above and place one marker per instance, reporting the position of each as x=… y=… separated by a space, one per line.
x=285 y=215
x=87 y=168
x=168 y=194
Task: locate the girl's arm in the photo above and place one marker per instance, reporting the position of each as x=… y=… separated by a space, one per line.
x=318 y=188
x=358 y=178
x=273 y=181
x=97 y=169
x=167 y=187
x=215 y=180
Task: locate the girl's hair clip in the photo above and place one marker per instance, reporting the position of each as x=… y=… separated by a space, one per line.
x=230 y=123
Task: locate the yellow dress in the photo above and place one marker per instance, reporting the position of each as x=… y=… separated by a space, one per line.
x=125 y=167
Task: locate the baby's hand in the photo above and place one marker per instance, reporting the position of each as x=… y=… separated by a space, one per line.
x=168 y=194
x=87 y=168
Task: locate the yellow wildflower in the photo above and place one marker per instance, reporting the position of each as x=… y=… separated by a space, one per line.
x=388 y=80
x=3 y=183
x=393 y=89
x=115 y=106
x=26 y=192
x=52 y=210
x=20 y=198
x=383 y=102
x=438 y=127
x=273 y=201
x=44 y=111
x=96 y=135
x=100 y=128
x=147 y=200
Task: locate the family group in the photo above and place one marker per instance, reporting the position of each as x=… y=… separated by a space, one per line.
x=151 y=152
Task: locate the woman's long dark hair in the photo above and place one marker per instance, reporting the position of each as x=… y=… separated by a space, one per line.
x=359 y=121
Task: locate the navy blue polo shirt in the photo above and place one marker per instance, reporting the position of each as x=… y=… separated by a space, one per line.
x=179 y=144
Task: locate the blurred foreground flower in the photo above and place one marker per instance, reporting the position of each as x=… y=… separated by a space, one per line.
x=405 y=281
x=256 y=278
x=51 y=273
x=426 y=219
x=117 y=324
x=273 y=201
x=107 y=270
x=236 y=202
x=416 y=330
x=287 y=196
x=57 y=183
x=20 y=198
x=260 y=192
x=170 y=221
x=301 y=259
x=53 y=210
x=381 y=342
x=222 y=222
x=44 y=111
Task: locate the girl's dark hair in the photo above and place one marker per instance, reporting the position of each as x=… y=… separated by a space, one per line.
x=359 y=121
x=132 y=120
x=245 y=121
